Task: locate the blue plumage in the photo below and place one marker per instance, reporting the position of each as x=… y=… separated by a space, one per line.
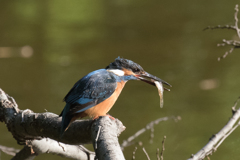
x=89 y=91
x=99 y=84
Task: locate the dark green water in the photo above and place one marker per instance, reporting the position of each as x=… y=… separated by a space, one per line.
x=72 y=38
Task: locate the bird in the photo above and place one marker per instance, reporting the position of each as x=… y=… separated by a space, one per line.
x=95 y=94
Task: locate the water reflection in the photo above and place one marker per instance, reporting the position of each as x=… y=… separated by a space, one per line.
x=65 y=41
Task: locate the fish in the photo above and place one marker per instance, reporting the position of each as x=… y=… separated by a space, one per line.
x=160 y=88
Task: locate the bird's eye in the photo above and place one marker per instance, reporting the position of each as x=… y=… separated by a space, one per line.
x=135 y=70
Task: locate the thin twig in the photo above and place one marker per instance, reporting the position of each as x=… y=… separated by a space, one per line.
x=235 y=104
x=224 y=137
x=149 y=126
x=226 y=53
x=163 y=148
x=146 y=153
x=151 y=135
x=236 y=20
x=233 y=43
x=134 y=153
x=158 y=157
x=220 y=27
x=9 y=150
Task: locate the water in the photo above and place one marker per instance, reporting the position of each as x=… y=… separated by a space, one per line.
x=52 y=44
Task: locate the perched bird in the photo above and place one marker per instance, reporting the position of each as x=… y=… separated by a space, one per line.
x=95 y=94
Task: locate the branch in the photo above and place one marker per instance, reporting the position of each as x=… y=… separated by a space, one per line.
x=27 y=125
x=149 y=126
x=30 y=128
x=234 y=43
x=146 y=153
x=9 y=150
x=134 y=152
x=236 y=20
x=47 y=145
x=105 y=141
x=163 y=148
x=217 y=139
x=24 y=154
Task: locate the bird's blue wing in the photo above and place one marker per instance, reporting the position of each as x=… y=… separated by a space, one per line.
x=90 y=91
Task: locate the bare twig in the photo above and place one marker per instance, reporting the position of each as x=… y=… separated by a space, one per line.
x=9 y=150
x=146 y=153
x=226 y=53
x=163 y=148
x=158 y=157
x=236 y=20
x=152 y=134
x=234 y=43
x=218 y=138
x=149 y=126
x=134 y=152
x=220 y=27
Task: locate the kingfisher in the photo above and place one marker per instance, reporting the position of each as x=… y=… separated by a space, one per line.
x=95 y=94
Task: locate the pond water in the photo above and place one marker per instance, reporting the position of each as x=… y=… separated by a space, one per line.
x=46 y=46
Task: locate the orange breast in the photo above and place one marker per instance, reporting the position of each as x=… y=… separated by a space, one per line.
x=102 y=108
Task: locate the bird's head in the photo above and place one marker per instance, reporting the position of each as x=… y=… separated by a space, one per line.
x=132 y=71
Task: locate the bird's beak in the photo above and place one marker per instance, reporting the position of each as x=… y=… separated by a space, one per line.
x=148 y=78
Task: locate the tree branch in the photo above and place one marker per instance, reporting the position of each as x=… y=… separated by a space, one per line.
x=26 y=125
x=47 y=145
x=30 y=128
x=149 y=126
x=24 y=154
x=234 y=43
x=218 y=138
x=102 y=134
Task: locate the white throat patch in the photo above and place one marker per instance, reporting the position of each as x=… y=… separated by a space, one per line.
x=117 y=72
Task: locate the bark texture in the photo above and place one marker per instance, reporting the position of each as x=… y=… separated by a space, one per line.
x=40 y=133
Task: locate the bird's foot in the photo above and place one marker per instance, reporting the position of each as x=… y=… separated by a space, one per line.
x=110 y=117
x=96 y=117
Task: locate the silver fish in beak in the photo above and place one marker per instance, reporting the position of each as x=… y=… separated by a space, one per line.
x=159 y=86
x=155 y=81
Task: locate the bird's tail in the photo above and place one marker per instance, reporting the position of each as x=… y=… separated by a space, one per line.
x=66 y=119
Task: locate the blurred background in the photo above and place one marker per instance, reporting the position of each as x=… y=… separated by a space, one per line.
x=46 y=46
